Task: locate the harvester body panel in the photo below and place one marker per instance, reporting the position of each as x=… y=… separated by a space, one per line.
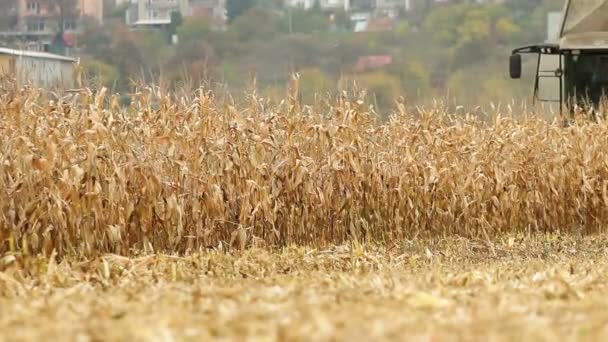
x=573 y=69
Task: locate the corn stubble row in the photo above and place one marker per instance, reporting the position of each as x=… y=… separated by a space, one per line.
x=80 y=175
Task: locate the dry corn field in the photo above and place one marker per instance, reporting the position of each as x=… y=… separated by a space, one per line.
x=186 y=217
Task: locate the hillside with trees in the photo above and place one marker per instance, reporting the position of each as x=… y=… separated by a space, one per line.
x=456 y=52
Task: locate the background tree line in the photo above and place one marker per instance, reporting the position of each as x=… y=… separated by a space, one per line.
x=456 y=51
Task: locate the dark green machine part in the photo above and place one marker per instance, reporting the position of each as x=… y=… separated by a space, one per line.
x=585 y=78
x=582 y=75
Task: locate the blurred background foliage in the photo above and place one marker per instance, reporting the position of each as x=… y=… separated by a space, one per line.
x=455 y=52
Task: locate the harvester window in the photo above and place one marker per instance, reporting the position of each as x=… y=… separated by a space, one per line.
x=548 y=88
x=549 y=78
x=588 y=78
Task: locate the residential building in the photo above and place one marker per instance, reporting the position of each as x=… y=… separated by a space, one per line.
x=392 y=8
x=305 y=4
x=38 y=69
x=91 y=9
x=335 y=4
x=38 y=23
x=362 y=5
x=41 y=15
x=326 y=5
x=360 y=21
x=155 y=13
x=354 y=5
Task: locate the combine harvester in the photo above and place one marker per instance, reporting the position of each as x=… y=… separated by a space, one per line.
x=572 y=71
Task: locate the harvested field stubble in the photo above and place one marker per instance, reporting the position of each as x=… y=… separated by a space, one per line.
x=176 y=175
x=517 y=288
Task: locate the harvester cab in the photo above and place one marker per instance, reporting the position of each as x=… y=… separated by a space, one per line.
x=572 y=71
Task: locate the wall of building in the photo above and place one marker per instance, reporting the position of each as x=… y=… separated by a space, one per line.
x=306 y=4
x=43 y=8
x=91 y=8
x=160 y=9
x=44 y=12
x=40 y=18
x=43 y=72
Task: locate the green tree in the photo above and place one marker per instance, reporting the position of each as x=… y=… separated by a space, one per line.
x=299 y=20
x=316 y=7
x=191 y=51
x=97 y=40
x=129 y=62
x=342 y=21
x=522 y=8
x=403 y=29
x=153 y=48
x=443 y=23
x=506 y=30
x=314 y=82
x=98 y=72
x=420 y=10
x=255 y=24
x=415 y=77
x=114 y=11
x=476 y=26
x=383 y=89
x=236 y=8
x=470 y=52
x=194 y=29
x=176 y=21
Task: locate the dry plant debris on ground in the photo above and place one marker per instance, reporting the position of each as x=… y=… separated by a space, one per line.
x=550 y=287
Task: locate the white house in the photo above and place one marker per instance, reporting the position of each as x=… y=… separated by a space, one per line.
x=325 y=4
x=379 y=6
x=154 y=13
x=305 y=4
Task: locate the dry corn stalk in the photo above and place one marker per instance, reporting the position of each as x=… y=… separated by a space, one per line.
x=80 y=174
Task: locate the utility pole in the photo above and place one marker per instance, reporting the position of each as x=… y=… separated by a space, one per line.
x=289 y=16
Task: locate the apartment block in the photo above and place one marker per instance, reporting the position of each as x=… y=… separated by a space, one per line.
x=38 y=23
x=154 y=13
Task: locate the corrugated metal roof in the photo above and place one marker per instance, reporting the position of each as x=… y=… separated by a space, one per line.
x=35 y=54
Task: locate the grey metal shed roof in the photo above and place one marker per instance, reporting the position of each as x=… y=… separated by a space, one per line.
x=35 y=54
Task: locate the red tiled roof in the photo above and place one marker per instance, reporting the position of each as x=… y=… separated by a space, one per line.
x=373 y=62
